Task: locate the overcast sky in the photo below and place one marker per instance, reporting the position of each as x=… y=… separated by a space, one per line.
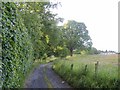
x=100 y=17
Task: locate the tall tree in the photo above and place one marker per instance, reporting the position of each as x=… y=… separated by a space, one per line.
x=76 y=36
x=42 y=27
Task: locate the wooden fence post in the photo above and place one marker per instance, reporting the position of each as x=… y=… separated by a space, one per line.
x=96 y=68
x=85 y=68
x=71 y=66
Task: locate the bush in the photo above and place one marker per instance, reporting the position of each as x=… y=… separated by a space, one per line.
x=61 y=52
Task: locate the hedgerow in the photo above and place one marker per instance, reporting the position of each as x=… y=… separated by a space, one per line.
x=17 y=51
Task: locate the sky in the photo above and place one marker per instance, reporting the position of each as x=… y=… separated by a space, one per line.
x=100 y=17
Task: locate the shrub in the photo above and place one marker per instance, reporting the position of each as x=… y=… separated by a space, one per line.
x=61 y=52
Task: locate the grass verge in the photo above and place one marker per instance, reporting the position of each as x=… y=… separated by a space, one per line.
x=80 y=71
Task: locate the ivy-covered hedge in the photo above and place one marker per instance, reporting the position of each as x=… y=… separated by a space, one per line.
x=17 y=51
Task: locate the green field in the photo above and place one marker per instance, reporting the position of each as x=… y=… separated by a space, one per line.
x=84 y=73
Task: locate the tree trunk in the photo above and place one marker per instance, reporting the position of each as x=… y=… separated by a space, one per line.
x=71 y=52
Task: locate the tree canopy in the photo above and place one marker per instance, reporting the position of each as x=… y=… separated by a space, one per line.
x=76 y=36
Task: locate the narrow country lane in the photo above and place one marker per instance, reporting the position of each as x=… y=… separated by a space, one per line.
x=45 y=77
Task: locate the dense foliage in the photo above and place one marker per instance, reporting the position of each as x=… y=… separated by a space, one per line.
x=17 y=52
x=42 y=27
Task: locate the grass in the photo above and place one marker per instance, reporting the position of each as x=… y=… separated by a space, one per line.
x=83 y=75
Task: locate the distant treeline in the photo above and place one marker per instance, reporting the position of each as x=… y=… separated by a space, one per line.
x=93 y=50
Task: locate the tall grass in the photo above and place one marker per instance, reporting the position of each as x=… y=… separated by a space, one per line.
x=83 y=75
